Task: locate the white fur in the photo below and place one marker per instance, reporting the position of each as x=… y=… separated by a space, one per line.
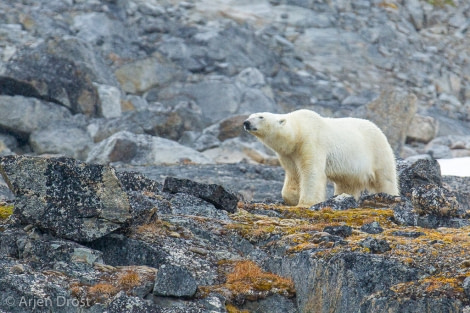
x=351 y=152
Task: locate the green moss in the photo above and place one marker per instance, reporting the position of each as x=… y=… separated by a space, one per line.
x=441 y=3
x=5 y=211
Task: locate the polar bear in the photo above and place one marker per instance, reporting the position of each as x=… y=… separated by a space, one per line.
x=351 y=152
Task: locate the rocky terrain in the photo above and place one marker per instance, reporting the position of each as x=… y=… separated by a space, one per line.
x=128 y=185
x=92 y=238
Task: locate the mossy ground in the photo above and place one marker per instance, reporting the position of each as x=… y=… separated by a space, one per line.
x=112 y=281
x=442 y=255
x=245 y=280
x=5 y=211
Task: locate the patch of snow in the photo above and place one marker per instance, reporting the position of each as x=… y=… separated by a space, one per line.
x=455 y=167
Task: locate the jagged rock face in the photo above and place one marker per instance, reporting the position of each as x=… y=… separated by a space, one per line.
x=67 y=198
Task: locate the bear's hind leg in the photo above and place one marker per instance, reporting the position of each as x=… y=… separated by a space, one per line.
x=389 y=186
x=350 y=189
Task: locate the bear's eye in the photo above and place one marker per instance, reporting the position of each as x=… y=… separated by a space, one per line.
x=260 y=117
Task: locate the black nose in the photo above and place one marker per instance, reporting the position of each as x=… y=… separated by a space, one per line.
x=246 y=125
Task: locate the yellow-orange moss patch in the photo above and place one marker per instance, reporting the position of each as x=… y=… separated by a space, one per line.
x=5 y=211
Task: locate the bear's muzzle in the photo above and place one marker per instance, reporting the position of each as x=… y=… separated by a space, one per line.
x=248 y=126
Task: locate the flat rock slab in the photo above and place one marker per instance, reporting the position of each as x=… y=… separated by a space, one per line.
x=212 y=193
x=65 y=197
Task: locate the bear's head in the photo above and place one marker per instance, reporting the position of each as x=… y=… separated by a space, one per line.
x=269 y=128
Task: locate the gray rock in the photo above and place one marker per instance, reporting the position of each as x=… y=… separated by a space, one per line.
x=392 y=111
x=65 y=197
x=435 y=200
x=422 y=129
x=110 y=97
x=185 y=204
x=170 y=124
x=372 y=228
x=119 y=250
x=418 y=171
x=338 y=202
x=174 y=281
x=408 y=234
x=95 y=27
x=142 y=150
x=68 y=141
x=215 y=194
x=361 y=274
x=142 y=75
x=383 y=303
x=342 y=230
x=21 y=116
x=17 y=280
x=272 y=304
x=466 y=286
x=416 y=13
x=460 y=186
x=375 y=245
x=405 y=214
x=37 y=69
x=251 y=77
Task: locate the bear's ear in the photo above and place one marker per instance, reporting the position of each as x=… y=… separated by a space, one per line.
x=282 y=121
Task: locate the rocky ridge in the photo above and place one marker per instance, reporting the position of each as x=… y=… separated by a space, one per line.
x=181 y=246
x=117 y=81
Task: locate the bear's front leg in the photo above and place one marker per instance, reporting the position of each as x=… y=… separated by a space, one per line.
x=290 y=190
x=312 y=187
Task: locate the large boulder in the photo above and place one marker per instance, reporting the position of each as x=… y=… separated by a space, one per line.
x=393 y=112
x=215 y=194
x=73 y=142
x=143 y=150
x=59 y=70
x=21 y=116
x=65 y=197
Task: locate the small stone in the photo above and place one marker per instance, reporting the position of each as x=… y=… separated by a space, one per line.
x=174 y=281
x=372 y=228
x=466 y=286
x=343 y=230
x=375 y=245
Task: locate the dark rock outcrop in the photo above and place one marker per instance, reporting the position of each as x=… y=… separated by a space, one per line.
x=67 y=198
x=212 y=193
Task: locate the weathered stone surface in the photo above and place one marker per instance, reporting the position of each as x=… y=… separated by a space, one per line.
x=405 y=214
x=415 y=172
x=140 y=76
x=68 y=141
x=338 y=202
x=366 y=274
x=38 y=67
x=140 y=149
x=435 y=200
x=375 y=245
x=372 y=228
x=215 y=194
x=460 y=186
x=422 y=129
x=392 y=112
x=174 y=281
x=65 y=197
x=21 y=116
x=342 y=231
